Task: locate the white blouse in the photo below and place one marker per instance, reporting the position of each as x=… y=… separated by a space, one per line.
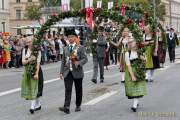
x=125 y=44
x=28 y=55
x=130 y=57
x=146 y=37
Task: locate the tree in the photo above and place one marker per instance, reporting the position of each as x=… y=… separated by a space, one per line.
x=50 y=2
x=33 y=12
x=148 y=6
x=75 y=4
x=160 y=9
x=144 y=2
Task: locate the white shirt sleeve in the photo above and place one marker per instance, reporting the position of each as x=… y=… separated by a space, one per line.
x=127 y=59
x=39 y=57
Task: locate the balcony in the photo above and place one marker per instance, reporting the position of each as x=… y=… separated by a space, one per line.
x=4 y=11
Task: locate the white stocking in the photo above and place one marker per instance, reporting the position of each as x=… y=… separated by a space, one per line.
x=148 y=74
x=135 y=103
x=38 y=104
x=33 y=104
x=123 y=76
x=151 y=74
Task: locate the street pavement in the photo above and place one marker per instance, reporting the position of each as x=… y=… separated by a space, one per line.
x=105 y=101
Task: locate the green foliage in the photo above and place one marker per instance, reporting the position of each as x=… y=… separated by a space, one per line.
x=33 y=12
x=160 y=9
x=125 y=21
x=50 y=2
x=75 y=4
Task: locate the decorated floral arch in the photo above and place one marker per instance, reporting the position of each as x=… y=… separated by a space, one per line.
x=129 y=19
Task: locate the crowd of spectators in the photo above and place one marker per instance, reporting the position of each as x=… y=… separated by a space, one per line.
x=11 y=49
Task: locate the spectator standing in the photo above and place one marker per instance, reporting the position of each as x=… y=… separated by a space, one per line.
x=6 y=53
x=1 y=55
x=172 y=41
x=18 y=51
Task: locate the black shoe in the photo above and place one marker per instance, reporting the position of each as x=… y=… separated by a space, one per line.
x=133 y=109
x=78 y=109
x=94 y=81
x=122 y=81
x=39 y=108
x=65 y=110
x=138 y=105
x=31 y=111
x=102 y=81
x=151 y=81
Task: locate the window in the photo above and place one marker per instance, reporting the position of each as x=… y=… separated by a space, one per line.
x=18 y=14
x=3 y=4
x=19 y=31
x=29 y=0
x=18 y=1
x=4 y=26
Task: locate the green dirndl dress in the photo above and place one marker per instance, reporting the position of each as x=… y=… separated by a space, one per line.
x=30 y=88
x=149 y=57
x=134 y=89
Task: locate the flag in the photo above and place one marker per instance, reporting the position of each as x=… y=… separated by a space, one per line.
x=88 y=3
x=99 y=3
x=65 y=5
x=110 y=5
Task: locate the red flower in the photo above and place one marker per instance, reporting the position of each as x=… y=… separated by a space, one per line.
x=54 y=14
x=153 y=33
x=140 y=46
x=117 y=8
x=130 y=21
x=127 y=7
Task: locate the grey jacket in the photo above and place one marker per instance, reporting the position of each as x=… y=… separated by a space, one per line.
x=78 y=71
x=101 y=47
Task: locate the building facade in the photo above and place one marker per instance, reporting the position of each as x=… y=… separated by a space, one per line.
x=17 y=15
x=4 y=15
x=173 y=19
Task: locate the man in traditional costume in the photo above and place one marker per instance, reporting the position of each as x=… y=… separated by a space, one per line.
x=73 y=60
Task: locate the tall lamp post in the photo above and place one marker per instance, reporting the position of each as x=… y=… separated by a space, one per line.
x=154 y=5
x=170 y=13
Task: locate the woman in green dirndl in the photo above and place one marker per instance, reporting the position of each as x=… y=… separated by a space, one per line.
x=32 y=83
x=152 y=59
x=135 y=86
x=121 y=45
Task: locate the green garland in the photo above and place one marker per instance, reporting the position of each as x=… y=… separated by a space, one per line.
x=126 y=21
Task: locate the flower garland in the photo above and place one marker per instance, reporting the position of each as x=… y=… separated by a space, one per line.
x=125 y=20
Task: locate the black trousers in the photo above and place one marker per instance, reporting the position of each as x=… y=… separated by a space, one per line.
x=171 y=53
x=18 y=58
x=68 y=81
x=113 y=56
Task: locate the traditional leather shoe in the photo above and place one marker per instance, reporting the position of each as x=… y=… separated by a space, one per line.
x=78 y=109
x=31 y=111
x=133 y=109
x=39 y=108
x=94 y=81
x=138 y=105
x=151 y=81
x=65 y=110
x=102 y=81
x=122 y=81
